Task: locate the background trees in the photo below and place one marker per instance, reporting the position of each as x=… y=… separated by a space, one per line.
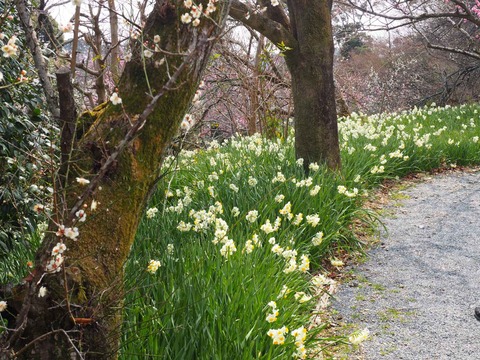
x=448 y=30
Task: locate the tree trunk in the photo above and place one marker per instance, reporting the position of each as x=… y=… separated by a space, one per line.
x=80 y=317
x=306 y=40
x=115 y=44
x=311 y=67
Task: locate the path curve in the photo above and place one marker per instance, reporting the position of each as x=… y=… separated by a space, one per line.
x=417 y=292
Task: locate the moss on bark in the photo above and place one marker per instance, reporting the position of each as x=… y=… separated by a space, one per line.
x=90 y=287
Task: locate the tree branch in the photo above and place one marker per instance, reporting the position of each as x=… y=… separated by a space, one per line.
x=276 y=32
x=40 y=65
x=138 y=124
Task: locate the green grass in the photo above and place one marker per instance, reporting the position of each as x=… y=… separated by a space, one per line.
x=207 y=301
x=203 y=305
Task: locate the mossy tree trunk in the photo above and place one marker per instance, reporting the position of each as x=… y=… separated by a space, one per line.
x=311 y=66
x=303 y=32
x=80 y=315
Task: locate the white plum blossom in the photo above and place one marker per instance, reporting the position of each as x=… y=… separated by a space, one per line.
x=186 y=18
x=115 y=99
x=42 y=291
x=71 y=233
x=81 y=215
x=147 y=53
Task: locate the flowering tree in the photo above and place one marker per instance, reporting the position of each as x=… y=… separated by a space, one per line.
x=70 y=304
x=461 y=17
x=302 y=31
x=450 y=32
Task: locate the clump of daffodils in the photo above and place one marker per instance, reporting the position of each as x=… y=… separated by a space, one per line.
x=152 y=212
x=300 y=336
x=153 y=266
x=317 y=238
x=278 y=335
x=272 y=317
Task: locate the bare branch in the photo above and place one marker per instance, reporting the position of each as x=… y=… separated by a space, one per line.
x=36 y=50
x=274 y=31
x=138 y=124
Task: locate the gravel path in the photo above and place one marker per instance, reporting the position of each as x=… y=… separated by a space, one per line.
x=416 y=293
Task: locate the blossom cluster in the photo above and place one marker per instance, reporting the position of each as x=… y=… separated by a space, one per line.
x=196 y=11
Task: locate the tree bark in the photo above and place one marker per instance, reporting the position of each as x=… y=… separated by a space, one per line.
x=306 y=40
x=311 y=67
x=121 y=153
x=36 y=51
x=115 y=44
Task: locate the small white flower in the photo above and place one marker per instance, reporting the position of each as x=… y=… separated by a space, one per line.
x=71 y=233
x=42 y=291
x=156 y=39
x=81 y=215
x=313 y=220
x=82 y=181
x=252 y=216
x=196 y=22
x=314 y=191
x=313 y=166
x=228 y=248
x=152 y=212
x=252 y=181
x=3 y=305
x=153 y=266
x=147 y=53
x=186 y=18
x=274 y=2
x=128 y=57
x=301 y=297
x=317 y=239
x=115 y=99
